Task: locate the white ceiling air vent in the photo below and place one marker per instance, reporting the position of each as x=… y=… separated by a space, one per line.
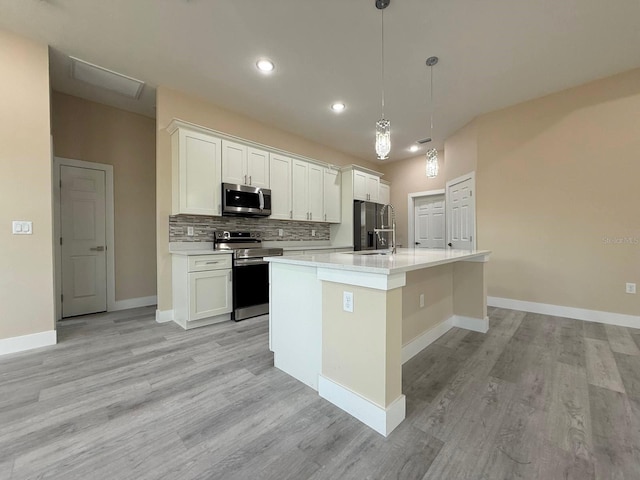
x=107 y=79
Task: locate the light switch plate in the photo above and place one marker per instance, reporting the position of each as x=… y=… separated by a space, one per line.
x=347 y=301
x=631 y=288
x=190 y=232
x=21 y=227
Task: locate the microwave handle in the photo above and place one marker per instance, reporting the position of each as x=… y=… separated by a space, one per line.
x=261 y=199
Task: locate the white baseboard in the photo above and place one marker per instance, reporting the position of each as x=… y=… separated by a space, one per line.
x=425 y=339
x=134 y=303
x=475 y=324
x=383 y=421
x=164 y=316
x=27 y=342
x=422 y=341
x=620 y=319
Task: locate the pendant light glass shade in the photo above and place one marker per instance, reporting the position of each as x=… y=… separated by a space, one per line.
x=432 y=163
x=383 y=139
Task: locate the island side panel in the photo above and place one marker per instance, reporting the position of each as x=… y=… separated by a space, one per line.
x=470 y=295
x=295 y=320
x=436 y=284
x=361 y=349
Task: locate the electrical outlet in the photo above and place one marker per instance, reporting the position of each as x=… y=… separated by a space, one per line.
x=313 y=233
x=190 y=232
x=347 y=301
x=280 y=232
x=421 y=300
x=631 y=288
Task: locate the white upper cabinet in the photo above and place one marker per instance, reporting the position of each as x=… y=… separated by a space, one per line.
x=332 y=195
x=316 y=192
x=307 y=191
x=281 y=182
x=299 y=190
x=365 y=186
x=384 y=193
x=258 y=168
x=244 y=165
x=196 y=170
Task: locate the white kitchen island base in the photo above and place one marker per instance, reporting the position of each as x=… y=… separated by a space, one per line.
x=401 y=303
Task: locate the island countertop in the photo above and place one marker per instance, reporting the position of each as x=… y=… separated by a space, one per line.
x=404 y=260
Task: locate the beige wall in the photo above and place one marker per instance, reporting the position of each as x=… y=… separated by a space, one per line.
x=556 y=177
x=362 y=349
x=409 y=176
x=26 y=262
x=172 y=104
x=436 y=284
x=84 y=130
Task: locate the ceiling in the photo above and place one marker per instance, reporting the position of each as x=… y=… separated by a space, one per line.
x=493 y=53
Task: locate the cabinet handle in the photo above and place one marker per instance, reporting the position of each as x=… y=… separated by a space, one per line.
x=325 y=217
x=219 y=210
x=211 y=263
x=310 y=215
x=290 y=213
x=229 y=275
x=249 y=179
x=245 y=179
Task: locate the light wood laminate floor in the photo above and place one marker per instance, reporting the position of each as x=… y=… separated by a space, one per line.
x=122 y=397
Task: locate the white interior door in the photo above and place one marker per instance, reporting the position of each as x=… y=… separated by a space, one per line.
x=83 y=233
x=429 y=221
x=461 y=213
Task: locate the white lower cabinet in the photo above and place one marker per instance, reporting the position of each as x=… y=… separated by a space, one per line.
x=202 y=292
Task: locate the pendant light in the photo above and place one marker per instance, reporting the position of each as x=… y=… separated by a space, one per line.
x=432 y=153
x=383 y=127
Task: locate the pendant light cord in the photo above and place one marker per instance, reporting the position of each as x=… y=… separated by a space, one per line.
x=382 y=56
x=431 y=100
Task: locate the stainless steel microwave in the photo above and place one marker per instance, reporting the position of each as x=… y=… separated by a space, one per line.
x=243 y=200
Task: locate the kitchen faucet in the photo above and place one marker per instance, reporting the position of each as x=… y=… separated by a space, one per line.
x=378 y=231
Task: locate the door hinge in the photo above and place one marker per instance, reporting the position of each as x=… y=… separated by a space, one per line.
x=60 y=183
x=60 y=240
x=471 y=193
x=61 y=298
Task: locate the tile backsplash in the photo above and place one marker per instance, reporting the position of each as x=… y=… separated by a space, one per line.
x=204 y=228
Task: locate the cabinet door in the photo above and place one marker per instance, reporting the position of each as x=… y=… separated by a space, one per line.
x=197 y=173
x=209 y=294
x=299 y=193
x=315 y=189
x=373 y=185
x=360 y=185
x=280 y=173
x=332 y=203
x=258 y=168
x=384 y=195
x=234 y=161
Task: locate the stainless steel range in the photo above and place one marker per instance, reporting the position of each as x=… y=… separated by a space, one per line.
x=250 y=272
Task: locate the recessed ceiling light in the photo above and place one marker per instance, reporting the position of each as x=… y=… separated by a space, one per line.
x=265 y=65
x=338 y=107
x=414 y=148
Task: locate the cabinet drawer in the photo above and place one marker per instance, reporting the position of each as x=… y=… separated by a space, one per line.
x=201 y=263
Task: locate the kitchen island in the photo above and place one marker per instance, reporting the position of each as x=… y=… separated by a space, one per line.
x=344 y=323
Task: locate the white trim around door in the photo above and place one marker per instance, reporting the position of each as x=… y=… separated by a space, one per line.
x=111 y=269
x=411 y=205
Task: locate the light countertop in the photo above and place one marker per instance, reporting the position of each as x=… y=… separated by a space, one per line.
x=404 y=260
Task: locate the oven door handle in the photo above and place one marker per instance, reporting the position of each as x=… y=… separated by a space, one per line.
x=243 y=262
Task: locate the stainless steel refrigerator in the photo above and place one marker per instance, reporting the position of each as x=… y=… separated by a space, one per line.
x=366 y=217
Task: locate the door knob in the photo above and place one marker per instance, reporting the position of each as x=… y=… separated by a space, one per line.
x=97 y=249
x=450 y=244
x=417 y=243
